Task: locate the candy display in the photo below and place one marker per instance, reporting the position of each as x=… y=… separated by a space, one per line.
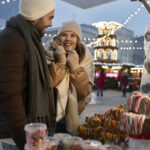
x=111 y=147
x=104 y=127
x=37 y=139
x=35 y=134
x=73 y=143
x=92 y=145
x=139 y=144
x=136 y=122
x=60 y=136
x=132 y=123
x=51 y=143
x=139 y=103
x=94 y=121
x=116 y=113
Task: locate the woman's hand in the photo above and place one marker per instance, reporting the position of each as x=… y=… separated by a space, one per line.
x=56 y=43
x=72 y=60
x=60 y=55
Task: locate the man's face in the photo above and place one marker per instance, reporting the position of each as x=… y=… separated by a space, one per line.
x=44 y=22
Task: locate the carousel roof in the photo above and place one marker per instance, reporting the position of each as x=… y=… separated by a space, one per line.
x=85 y=4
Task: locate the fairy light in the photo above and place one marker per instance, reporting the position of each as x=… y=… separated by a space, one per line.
x=3 y=2
x=120 y=41
x=130 y=48
x=94 y=42
x=123 y=24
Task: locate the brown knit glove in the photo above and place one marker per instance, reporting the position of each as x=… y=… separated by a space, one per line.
x=72 y=60
x=60 y=55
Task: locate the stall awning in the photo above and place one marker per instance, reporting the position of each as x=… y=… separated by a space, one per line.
x=85 y=4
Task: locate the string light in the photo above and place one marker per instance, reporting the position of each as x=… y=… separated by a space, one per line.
x=121 y=25
x=3 y=2
x=120 y=41
x=141 y=48
x=93 y=42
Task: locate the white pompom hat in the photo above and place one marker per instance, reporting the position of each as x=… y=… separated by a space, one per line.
x=71 y=26
x=35 y=9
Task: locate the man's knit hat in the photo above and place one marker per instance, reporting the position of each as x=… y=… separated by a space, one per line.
x=35 y=9
x=71 y=26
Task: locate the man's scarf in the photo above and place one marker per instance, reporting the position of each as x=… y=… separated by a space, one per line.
x=41 y=101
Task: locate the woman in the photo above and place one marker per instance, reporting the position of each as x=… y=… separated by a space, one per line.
x=71 y=74
x=101 y=82
x=124 y=83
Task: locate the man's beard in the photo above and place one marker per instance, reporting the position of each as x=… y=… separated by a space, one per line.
x=41 y=33
x=40 y=29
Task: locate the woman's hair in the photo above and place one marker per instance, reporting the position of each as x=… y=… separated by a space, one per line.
x=80 y=48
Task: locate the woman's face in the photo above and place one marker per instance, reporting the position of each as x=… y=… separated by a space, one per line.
x=68 y=40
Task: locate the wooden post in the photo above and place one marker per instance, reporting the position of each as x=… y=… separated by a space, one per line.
x=146 y=5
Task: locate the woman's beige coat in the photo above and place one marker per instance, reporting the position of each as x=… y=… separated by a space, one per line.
x=73 y=89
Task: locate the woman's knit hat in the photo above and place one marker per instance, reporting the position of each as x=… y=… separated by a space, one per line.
x=71 y=26
x=35 y=9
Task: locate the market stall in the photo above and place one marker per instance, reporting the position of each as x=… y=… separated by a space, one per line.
x=123 y=128
x=128 y=125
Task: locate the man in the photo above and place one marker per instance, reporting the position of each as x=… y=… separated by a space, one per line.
x=25 y=93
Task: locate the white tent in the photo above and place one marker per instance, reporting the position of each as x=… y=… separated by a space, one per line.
x=85 y=4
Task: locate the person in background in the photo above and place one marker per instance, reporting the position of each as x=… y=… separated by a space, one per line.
x=101 y=82
x=124 y=83
x=71 y=74
x=25 y=90
x=118 y=81
x=130 y=80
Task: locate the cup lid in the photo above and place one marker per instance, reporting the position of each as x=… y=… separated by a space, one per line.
x=35 y=126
